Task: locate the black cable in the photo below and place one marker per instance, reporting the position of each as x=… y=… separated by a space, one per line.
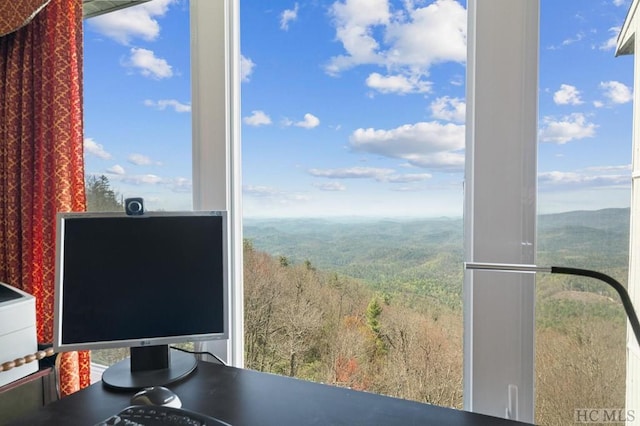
x=624 y=296
x=200 y=353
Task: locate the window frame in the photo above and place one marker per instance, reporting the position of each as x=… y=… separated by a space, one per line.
x=217 y=185
x=216 y=157
x=500 y=206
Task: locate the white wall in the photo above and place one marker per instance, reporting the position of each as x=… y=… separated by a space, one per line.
x=633 y=351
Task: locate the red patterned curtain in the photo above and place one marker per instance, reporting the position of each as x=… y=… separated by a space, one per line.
x=16 y=13
x=41 y=157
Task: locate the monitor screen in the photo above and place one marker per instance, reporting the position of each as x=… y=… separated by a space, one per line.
x=140 y=281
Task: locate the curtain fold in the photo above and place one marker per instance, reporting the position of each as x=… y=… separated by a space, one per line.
x=16 y=13
x=41 y=153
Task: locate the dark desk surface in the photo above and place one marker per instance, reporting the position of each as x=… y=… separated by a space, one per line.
x=244 y=397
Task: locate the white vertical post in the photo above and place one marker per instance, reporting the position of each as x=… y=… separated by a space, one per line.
x=500 y=206
x=633 y=350
x=217 y=174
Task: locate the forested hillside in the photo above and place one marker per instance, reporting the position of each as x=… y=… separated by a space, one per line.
x=421 y=257
x=378 y=306
x=334 y=329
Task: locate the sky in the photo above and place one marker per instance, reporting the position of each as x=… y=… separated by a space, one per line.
x=354 y=107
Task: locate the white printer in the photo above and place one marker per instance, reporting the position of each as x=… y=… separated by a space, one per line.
x=17 y=331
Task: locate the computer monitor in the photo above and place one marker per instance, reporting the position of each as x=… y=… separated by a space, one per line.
x=143 y=282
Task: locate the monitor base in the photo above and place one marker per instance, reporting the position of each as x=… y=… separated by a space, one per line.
x=120 y=376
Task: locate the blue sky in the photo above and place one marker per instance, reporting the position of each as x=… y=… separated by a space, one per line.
x=354 y=107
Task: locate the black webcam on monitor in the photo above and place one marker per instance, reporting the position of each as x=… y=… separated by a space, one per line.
x=134 y=206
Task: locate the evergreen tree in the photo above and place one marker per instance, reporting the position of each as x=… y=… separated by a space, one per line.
x=309 y=266
x=100 y=196
x=373 y=315
x=374 y=310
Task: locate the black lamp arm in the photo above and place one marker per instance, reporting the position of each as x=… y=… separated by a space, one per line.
x=624 y=296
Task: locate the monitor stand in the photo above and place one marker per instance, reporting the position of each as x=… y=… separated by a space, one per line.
x=149 y=366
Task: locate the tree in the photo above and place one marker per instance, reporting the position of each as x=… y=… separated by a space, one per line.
x=309 y=266
x=301 y=317
x=262 y=296
x=372 y=314
x=100 y=196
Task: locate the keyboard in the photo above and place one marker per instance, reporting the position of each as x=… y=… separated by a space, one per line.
x=153 y=415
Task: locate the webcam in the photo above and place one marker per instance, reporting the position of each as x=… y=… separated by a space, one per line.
x=133 y=206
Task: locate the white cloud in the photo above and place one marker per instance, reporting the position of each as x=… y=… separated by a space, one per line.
x=94 y=148
x=353 y=173
x=574 y=126
x=457 y=80
x=578 y=37
x=378 y=174
x=410 y=177
x=619 y=2
x=246 y=68
x=330 y=186
x=616 y=92
x=176 y=184
x=144 y=179
x=410 y=40
x=181 y=184
x=567 y=95
x=162 y=104
x=288 y=15
x=449 y=109
x=612 y=41
x=557 y=177
x=310 y=121
x=582 y=178
x=429 y=35
x=259 y=191
x=397 y=84
x=424 y=144
x=133 y=22
x=626 y=168
x=354 y=21
x=407 y=189
x=148 y=64
x=568 y=41
x=273 y=195
x=142 y=160
x=116 y=170
x=257 y=118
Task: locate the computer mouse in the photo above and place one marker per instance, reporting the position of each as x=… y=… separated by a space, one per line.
x=156 y=395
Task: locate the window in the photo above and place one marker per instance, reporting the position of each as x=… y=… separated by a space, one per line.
x=584 y=196
x=137 y=105
x=292 y=96
x=353 y=178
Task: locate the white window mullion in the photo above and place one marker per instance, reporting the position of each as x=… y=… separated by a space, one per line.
x=500 y=206
x=216 y=142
